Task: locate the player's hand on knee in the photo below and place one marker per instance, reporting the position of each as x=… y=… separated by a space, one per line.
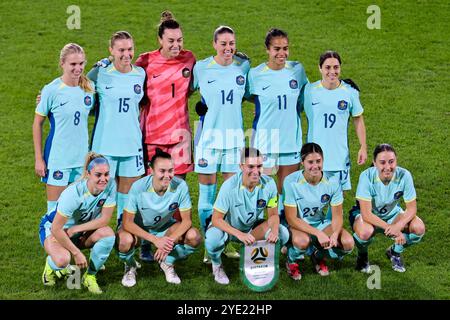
x=201 y=108
x=324 y=240
x=165 y=243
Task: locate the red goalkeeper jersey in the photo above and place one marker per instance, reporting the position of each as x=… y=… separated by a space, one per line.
x=165 y=118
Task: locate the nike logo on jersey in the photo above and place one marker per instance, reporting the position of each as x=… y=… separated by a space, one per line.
x=156 y=76
x=314 y=103
x=264 y=88
x=108 y=87
x=297 y=155
x=211 y=81
x=238 y=205
x=61 y=104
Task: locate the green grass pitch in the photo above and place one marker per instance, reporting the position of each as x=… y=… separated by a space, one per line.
x=400 y=68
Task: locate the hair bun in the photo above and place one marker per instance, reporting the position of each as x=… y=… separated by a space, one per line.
x=166 y=15
x=158 y=151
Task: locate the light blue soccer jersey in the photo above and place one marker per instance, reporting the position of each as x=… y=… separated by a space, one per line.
x=311 y=201
x=277 y=122
x=385 y=198
x=243 y=208
x=328 y=113
x=78 y=205
x=117 y=132
x=222 y=89
x=67 y=109
x=157 y=211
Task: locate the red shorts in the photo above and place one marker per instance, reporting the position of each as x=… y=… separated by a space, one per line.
x=181 y=154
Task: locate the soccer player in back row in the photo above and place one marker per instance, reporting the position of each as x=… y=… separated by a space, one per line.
x=307 y=195
x=328 y=104
x=165 y=117
x=116 y=133
x=149 y=215
x=239 y=211
x=276 y=86
x=66 y=101
x=378 y=195
x=80 y=221
x=221 y=80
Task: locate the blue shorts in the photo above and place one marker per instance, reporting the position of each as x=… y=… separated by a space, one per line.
x=62 y=177
x=389 y=219
x=126 y=166
x=344 y=178
x=209 y=161
x=272 y=160
x=45 y=228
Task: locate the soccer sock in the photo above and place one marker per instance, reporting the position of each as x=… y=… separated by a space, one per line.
x=51 y=206
x=99 y=253
x=337 y=253
x=121 y=199
x=215 y=244
x=127 y=257
x=411 y=238
x=178 y=252
x=53 y=265
x=294 y=253
x=362 y=244
x=207 y=194
x=145 y=246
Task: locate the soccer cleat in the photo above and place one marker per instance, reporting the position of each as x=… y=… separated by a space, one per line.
x=362 y=263
x=48 y=276
x=66 y=272
x=219 y=274
x=129 y=277
x=231 y=252
x=206 y=258
x=146 y=254
x=320 y=265
x=90 y=282
x=169 y=271
x=293 y=270
x=396 y=260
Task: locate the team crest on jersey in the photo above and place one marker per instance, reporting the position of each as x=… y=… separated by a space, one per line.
x=101 y=202
x=293 y=84
x=398 y=195
x=240 y=80
x=261 y=203
x=87 y=100
x=173 y=206
x=202 y=163
x=325 y=198
x=342 y=105
x=186 y=72
x=58 y=175
x=137 y=89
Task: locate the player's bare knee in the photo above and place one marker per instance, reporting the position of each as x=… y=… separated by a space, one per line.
x=126 y=241
x=347 y=242
x=105 y=232
x=417 y=226
x=301 y=242
x=62 y=260
x=365 y=233
x=193 y=237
